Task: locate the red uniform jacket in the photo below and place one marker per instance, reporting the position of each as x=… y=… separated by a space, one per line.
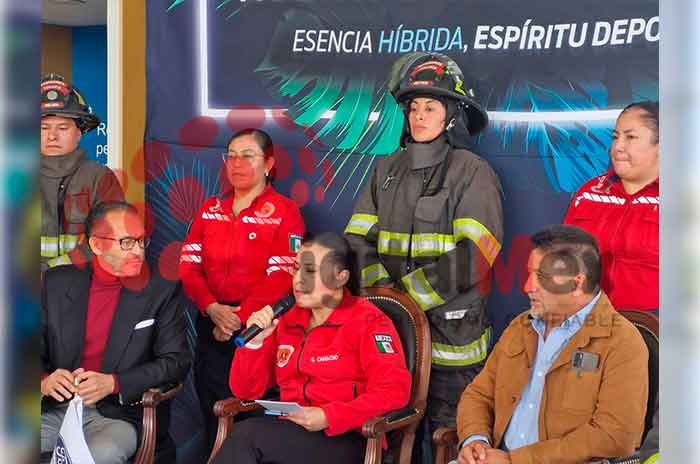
x=352 y=366
x=247 y=258
x=627 y=230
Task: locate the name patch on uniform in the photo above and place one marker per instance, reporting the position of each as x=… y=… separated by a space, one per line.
x=384 y=343
x=294 y=242
x=325 y=358
x=458 y=314
x=284 y=352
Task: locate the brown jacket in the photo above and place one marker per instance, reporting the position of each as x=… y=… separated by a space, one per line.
x=595 y=414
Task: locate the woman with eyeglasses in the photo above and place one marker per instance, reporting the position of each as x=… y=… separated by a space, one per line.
x=238 y=257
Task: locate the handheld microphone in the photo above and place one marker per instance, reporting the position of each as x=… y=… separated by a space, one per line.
x=283 y=305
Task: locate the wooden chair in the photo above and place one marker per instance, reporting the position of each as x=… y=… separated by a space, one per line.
x=146 y=453
x=398 y=426
x=446 y=440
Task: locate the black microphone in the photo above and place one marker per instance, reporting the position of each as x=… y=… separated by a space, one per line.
x=283 y=305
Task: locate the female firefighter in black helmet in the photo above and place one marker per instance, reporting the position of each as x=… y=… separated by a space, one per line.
x=70 y=183
x=430 y=222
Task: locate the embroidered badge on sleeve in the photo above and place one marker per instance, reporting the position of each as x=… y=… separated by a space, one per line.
x=294 y=242
x=284 y=352
x=384 y=343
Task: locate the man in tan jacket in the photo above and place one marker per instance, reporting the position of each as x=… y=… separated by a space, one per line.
x=568 y=379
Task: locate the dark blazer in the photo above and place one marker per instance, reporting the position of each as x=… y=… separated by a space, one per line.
x=152 y=356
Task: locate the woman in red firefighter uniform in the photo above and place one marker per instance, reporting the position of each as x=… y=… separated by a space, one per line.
x=430 y=222
x=237 y=257
x=335 y=354
x=621 y=210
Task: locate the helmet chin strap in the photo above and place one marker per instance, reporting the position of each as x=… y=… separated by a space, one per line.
x=450 y=125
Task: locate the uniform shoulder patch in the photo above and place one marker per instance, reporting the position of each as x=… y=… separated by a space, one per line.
x=266 y=210
x=216 y=207
x=284 y=353
x=385 y=343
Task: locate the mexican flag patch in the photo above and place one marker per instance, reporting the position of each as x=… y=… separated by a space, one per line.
x=384 y=343
x=294 y=242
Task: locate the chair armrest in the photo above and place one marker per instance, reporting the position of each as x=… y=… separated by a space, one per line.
x=445 y=436
x=226 y=410
x=149 y=400
x=393 y=420
x=232 y=406
x=154 y=396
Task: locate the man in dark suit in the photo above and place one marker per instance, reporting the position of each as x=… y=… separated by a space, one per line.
x=110 y=330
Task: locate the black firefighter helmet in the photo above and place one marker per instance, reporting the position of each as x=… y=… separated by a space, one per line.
x=60 y=99
x=438 y=76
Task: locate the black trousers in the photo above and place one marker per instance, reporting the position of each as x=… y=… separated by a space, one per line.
x=446 y=387
x=271 y=440
x=212 y=367
x=211 y=371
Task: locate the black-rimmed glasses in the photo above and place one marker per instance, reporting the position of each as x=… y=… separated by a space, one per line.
x=127 y=243
x=246 y=155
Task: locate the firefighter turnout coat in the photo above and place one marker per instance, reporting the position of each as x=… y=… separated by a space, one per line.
x=430 y=221
x=247 y=258
x=70 y=186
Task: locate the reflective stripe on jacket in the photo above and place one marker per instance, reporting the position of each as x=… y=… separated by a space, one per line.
x=86 y=184
x=247 y=258
x=627 y=229
x=438 y=243
x=352 y=366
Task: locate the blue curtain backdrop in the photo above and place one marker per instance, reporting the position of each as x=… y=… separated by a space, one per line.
x=89 y=57
x=553 y=76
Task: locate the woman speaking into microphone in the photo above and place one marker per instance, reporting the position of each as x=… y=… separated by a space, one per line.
x=336 y=355
x=237 y=258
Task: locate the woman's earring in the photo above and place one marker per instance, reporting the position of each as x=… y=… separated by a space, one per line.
x=267 y=174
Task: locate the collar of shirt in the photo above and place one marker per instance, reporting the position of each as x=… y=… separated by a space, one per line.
x=104 y=277
x=615 y=183
x=571 y=325
x=299 y=316
x=227 y=199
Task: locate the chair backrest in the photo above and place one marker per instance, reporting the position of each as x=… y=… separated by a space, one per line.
x=648 y=326
x=412 y=326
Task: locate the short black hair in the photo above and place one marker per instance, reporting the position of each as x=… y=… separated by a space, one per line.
x=650 y=115
x=574 y=243
x=100 y=210
x=339 y=254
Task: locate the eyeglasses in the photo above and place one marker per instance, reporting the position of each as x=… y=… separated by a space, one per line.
x=127 y=243
x=245 y=155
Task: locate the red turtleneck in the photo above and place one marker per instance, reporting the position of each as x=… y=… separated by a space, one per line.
x=102 y=305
